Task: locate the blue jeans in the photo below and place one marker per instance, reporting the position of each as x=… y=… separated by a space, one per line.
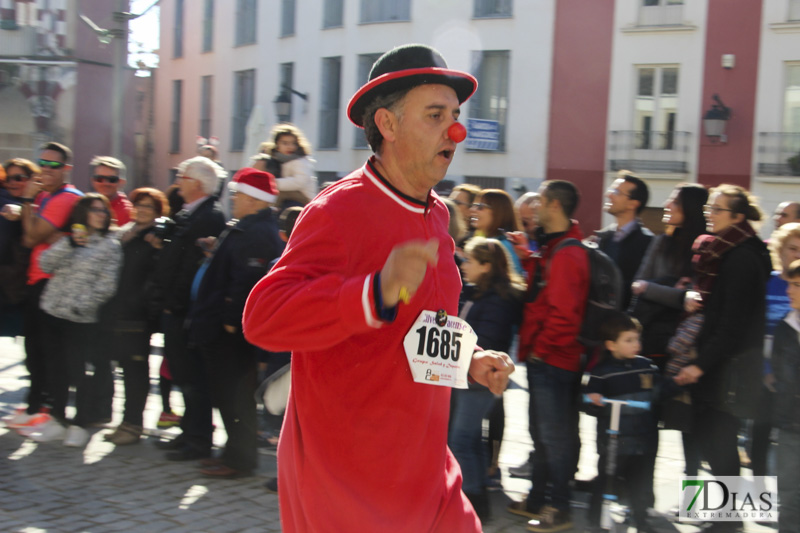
x=470 y=408
x=554 y=416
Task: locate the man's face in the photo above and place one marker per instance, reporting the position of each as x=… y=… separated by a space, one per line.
x=106 y=181
x=618 y=197
x=539 y=207
x=189 y=188
x=52 y=178
x=422 y=147
x=785 y=212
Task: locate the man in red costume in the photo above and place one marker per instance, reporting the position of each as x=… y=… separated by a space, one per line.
x=366 y=297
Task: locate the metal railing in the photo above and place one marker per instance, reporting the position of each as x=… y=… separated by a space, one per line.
x=778 y=154
x=649 y=151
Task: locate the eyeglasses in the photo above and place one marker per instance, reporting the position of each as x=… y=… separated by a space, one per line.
x=51 y=164
x=460 y=203
x=107 y=179
x=715 y=209
x=618 y=192
x=18 y=177
x=144 y=206
x=481 y=207
x=98 y=210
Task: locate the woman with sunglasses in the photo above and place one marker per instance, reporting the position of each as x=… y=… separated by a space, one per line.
x=85 y=268
x=14 y=258
x=731 y=271
x=493 y=216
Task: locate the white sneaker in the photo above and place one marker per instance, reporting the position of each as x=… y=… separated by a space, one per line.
x=76 y=437
x=48 y=431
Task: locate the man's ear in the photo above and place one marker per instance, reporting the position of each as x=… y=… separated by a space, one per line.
x=386 y=121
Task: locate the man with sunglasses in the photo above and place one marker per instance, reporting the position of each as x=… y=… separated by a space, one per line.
x=108 y=178
x=46 y=208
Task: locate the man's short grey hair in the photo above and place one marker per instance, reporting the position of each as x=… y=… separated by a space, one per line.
x=525 y=199
x=394 y=103
x=110 y=162
x=203 y=170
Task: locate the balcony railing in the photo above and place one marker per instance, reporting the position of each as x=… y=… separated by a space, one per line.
x=649 y=151
x=778 y=154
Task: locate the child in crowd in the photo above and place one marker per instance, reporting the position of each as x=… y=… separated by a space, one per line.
x=786 y=366
x=622 y=374
x=491 y=304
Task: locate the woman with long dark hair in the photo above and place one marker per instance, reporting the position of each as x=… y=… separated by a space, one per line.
x=666 y=270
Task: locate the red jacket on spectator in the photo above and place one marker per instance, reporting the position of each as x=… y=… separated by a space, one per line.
x=121 y=207
x=551 y=323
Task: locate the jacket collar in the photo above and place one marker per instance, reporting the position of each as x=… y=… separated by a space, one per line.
x=407 y=202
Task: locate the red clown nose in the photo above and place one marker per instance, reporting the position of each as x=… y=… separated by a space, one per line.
x=457 y=132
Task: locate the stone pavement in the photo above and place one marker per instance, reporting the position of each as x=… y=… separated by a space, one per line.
x=48 y=487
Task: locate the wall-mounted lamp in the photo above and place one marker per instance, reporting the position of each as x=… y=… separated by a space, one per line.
x=283 y=102
x=715 y=121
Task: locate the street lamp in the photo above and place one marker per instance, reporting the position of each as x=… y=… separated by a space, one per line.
x=283 y=102
x=715 y=121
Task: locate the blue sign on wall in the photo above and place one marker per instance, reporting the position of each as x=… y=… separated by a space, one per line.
x=483 y=134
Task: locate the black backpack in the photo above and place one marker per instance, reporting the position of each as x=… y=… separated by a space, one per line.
x=605 y=290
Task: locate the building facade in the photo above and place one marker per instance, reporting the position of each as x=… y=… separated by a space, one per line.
x=568 y=89
x=56 y=82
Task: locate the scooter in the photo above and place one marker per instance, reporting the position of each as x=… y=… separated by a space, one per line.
x=607 y=523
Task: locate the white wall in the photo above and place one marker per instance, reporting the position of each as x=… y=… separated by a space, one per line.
x=445 y=24
x=634 y=46
x=780 y=43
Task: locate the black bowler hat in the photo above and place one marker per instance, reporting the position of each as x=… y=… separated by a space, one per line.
x=406 y=67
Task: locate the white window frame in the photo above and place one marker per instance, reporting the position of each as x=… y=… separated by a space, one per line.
x=651 y=141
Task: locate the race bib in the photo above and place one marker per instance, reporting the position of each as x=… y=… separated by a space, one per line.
x=439 y=349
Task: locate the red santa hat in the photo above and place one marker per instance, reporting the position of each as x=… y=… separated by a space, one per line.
x=256 y=183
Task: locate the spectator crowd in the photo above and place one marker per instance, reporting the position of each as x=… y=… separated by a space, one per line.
x=705 y=328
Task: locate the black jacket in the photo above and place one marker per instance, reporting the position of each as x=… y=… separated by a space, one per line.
x=627 y=254
x=241 y=258
x=181 y=257
x=492 y=317
x=786 y=365
x=135 y=304
x=730 y=344
x=629 y=379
